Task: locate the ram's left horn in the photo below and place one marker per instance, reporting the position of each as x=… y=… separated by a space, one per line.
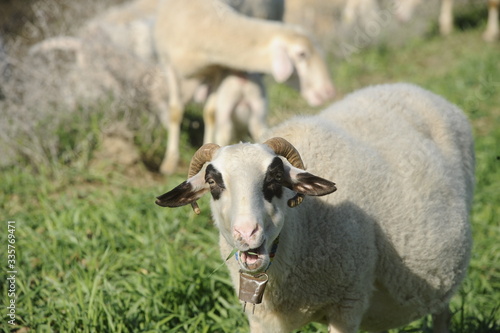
x=284 y=148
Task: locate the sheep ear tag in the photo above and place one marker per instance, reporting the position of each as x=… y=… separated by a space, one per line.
x=252 y=288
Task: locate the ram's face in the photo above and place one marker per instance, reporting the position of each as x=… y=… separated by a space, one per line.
x=252 y=186
x=248 y=201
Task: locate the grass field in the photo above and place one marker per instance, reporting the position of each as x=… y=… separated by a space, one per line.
x=95 y=254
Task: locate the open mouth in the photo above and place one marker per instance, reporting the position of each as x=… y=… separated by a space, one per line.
x=254 y=260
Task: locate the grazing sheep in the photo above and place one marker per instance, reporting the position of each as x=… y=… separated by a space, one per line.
x=258 y=45
x=122 y=38
x=390 y=246
x=196 y=39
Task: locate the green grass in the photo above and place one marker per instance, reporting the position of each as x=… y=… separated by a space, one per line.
x=94 y=254
x=100 y=257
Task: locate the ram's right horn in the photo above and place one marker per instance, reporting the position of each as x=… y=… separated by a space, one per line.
x=204 y=154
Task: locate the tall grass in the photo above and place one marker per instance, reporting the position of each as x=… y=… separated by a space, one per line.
x=94 y=254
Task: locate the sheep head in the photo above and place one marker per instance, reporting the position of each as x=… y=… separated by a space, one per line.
x=298 y=61
x=248 y=184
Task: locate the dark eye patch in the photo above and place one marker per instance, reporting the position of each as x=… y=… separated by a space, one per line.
x=214 y=178
x=273 y=180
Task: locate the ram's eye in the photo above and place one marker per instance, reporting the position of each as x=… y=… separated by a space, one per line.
x=211 y=182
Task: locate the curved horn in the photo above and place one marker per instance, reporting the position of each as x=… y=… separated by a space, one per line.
x=284 y=148
x=204 y=154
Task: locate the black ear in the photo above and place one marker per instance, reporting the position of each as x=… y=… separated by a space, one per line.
x=183 y=194
x=309 y=184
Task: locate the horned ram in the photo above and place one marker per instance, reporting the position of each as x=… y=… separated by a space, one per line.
x=391 y=245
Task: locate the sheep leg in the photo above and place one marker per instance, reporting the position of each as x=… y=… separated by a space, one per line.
x=176 y=111
x=446 y=17
x=171 y=159
x=492 y=32
x=441 y=321
x=209 y=109
x=226 y=102
x=258 y=123
x=209 y=118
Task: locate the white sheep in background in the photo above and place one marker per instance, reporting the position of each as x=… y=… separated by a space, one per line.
x=390 y=246
x=127 y=28
x=239 y=96
x=195 y=39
